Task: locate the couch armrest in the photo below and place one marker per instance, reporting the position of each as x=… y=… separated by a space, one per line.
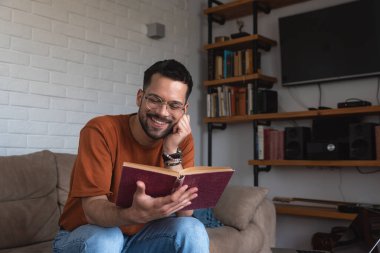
x=237 y=205
x=265 y=219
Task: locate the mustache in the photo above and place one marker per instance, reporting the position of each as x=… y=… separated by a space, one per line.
x=159 y=117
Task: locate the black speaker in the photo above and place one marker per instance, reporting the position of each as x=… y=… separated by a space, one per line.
x=267 y=101
x=327 y=150
x=335 y=129
x=295 y=142
x=362 y=141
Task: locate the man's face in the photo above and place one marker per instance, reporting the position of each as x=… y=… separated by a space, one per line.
x=157 y=119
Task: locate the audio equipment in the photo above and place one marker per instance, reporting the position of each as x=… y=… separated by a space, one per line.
x=332 y=129
x=355 y=103
x=362 y=141
x=327 y=150
x=295 y=142
x=267 y=101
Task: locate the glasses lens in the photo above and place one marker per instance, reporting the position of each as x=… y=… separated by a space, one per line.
x=155 y=102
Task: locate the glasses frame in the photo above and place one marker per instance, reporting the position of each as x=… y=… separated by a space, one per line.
x=159 y=104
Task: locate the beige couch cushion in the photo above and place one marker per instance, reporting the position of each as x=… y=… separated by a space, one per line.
x=65 y=164
x=28 y=199
x=237 y=205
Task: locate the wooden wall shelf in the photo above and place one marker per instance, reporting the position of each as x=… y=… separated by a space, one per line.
x=317 y=163
x=364 y=110
x=240 y=8
x=243 y=42
x=312 y=211
x=264 y=81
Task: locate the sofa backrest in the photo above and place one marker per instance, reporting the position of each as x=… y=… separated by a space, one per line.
x=28 y=199
x=65 y=164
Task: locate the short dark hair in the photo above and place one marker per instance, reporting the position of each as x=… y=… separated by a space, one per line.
x=171 y=69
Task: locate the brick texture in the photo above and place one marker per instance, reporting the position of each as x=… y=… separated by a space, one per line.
x=65 y=62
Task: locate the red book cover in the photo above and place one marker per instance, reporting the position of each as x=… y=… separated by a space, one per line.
x=159 y=182
x=242 y=97
x=281 y=147
x=267 y=143
x=273 y=144
x=377 y=142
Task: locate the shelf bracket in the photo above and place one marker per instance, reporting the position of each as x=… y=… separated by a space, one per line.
x=256 y=170
x=210 y=127
x=216 y=2
x=217 y=19
x=263 y=7
x=265 y=47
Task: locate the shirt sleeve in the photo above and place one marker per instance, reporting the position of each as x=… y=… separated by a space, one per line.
x=92 y=172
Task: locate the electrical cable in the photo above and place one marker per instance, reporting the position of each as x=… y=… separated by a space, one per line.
x=367 y=172
x=340 y=185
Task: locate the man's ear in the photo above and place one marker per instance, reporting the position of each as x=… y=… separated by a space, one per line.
x=186 y=107
x=139 y=97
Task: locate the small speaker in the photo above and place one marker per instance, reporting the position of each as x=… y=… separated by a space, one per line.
x=156 y=30
x=295 y=142
x=267 y=101
x=362 y=141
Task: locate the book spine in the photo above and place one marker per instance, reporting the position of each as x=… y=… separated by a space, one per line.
x=273 y=145
x=377 y=142
x=267 y=143
x=214 y=102
x=218 y=67
x=233 y=101
x=249 y=61
x=210 y=63
x=236 y=63
x=242 y=101
x=260 y=141
x=250 y=99
x=281 y=147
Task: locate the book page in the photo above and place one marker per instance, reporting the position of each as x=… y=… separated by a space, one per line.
x=152 y=168
x=204 y=169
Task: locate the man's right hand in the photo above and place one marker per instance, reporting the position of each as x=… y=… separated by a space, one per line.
x=100 y=211
x=146 y=208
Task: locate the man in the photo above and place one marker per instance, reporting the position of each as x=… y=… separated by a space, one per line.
x=159 y=134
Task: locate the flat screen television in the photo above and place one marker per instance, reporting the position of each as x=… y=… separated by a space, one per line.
x=338 y=42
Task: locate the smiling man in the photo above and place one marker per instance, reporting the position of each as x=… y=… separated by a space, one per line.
x=158 y=134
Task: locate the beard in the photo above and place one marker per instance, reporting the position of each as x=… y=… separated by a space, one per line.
x=151 y=131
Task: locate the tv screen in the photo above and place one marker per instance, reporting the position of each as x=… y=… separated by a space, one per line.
x=339 y=42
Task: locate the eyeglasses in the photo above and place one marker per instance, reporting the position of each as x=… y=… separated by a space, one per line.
x=154 y=102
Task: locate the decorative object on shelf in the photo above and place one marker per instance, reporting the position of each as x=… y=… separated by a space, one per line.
x=240 y=33
x=221 y=38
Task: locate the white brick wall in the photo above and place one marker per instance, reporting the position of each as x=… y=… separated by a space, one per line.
x=63 y=62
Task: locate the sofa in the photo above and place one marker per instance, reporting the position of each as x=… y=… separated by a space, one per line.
x=34 y=187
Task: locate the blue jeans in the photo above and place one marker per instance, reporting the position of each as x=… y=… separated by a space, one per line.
x=173 y=234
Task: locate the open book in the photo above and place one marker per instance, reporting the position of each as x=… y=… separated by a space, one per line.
x=160 y=182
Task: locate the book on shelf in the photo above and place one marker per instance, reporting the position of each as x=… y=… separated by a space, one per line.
x=242 y=101
x=218 y=67
x=377 y=142
x=270 y=143
x=210 y=64
x=249 y=99
x=248 y=66
x=159 y=182
x=230 y=63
